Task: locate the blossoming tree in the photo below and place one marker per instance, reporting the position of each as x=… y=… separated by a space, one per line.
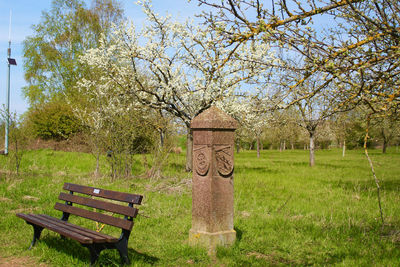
x=174 y=67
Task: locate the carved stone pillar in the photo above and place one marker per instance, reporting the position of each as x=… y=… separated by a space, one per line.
x=212 y=189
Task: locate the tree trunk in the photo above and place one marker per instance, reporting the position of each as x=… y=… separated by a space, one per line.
x=385 y=141
x=97 y=171
x=344 y=148
x=237 y=146
x=312 y=148
x=96 y=152
x=284 y=145
x=161 y=137
x=258 y=147
x=385 y=145
x=189 y=150
x=377 y=182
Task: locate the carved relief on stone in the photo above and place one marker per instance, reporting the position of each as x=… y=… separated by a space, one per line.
x=224 y=160
x=201 y=159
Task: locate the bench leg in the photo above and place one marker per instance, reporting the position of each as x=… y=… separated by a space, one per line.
x=94 y=253
x=122 y=247
x=37 y=230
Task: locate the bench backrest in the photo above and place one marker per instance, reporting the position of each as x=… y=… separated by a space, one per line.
x=85 y=200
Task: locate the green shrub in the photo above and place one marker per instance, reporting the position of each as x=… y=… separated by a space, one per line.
x=53 y=120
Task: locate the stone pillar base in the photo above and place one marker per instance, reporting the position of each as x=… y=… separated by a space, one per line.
x=212 y=240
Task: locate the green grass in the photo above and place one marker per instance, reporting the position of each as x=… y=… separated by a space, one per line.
x=286 y=213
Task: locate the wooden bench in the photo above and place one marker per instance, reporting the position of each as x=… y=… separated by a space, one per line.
x=88 y=207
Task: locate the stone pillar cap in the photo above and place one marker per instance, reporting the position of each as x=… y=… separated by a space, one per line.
x=213 y=118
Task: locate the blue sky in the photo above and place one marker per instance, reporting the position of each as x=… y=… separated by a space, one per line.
x=26 y=13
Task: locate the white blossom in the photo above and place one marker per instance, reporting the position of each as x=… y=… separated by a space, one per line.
x=177 y=67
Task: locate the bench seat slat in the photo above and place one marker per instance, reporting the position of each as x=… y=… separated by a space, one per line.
x=98 y=204
x=96 y=236
x=95 y=216
x=109 y=194
x=109 y=238
x=35 y=219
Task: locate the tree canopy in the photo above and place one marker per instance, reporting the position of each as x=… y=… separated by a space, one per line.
x=65 y=32
x=356 y=55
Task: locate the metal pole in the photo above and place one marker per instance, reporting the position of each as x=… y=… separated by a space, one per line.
x=7 y=102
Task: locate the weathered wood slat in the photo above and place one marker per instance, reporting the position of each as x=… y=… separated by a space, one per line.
x=35 y=219
x=95 y=216
x=107 y=238
x=109 y=194
x=60 y=223
x=95 y=236
x=98 y=204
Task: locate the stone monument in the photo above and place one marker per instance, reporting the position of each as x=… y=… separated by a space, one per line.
x=212 y=189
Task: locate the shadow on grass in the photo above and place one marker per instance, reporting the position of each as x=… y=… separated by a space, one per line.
x=340 y=165
x=66 y=246
x=135 y=256
x=239 y=233
x=331 y=166
x=291 y=163
x=76 y=250
x=365 y=186
x=263 y=170
x=390 y=185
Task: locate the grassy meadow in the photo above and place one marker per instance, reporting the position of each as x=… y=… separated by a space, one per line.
x=286 y=213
